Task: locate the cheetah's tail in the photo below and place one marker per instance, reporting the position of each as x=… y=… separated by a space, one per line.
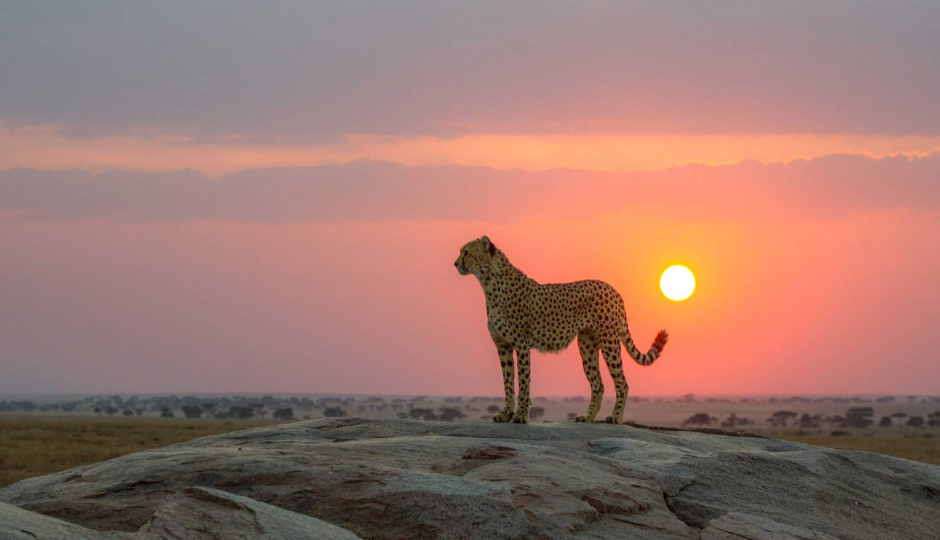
x=646 y=359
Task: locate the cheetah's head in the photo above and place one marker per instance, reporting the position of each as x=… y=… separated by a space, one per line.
x=476 y=258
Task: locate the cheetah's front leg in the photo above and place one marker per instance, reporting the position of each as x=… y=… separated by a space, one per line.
x=509 y=383
x=522 y=414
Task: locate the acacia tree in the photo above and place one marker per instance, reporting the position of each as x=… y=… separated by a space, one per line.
x=933 y=419
x=859 y=417
x=449 y=414
x=900 y=416
x=286 y=413
x=191 y=411
x=209 y=407
x=733 y=421
x=334 y=412
x=781 y=418
x=808 y=421
x=698 y=419
x=885 y=422
x=422 y=414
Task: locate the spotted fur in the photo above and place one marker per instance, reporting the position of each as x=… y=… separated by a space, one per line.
x=523 y=315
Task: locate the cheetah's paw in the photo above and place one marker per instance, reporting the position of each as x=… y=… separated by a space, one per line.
x=521 y=419
x=504 y=416
x=584 y=418
x=612 y=420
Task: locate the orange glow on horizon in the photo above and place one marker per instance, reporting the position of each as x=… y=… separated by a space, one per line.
x=46 y=147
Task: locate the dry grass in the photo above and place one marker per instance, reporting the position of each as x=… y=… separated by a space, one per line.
x=37 y=445
x=912 y=448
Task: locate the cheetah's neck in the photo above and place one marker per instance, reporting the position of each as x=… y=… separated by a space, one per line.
x=504 y=281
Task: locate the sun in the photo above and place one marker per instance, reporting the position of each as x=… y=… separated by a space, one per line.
x=677 y=283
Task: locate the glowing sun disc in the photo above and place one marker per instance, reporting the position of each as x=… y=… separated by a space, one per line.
x=677 y=283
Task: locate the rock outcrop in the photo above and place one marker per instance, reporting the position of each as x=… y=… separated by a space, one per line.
x=348 y=477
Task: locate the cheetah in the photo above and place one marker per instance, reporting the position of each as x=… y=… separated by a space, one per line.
x=523 y=314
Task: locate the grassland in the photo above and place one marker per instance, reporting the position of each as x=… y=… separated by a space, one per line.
x=913 y=448
x=33 y=445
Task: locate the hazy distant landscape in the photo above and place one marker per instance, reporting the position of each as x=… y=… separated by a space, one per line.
x=753 y=413
x=43 y=434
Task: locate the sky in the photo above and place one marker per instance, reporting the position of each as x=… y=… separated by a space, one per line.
x=269 y=197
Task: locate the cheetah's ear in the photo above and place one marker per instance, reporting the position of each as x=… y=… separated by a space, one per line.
x=488 y=246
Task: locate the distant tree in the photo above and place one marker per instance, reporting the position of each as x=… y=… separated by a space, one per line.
x=139 y=412
x=192 y=411
x=449 y=414
x=536 y=412
x=334 y=412
x=11 y=406
x=780 y=418
x=933 y=419
x=915 y=422
x=885 y=422
x=166 y=412
x=859 y=417
x=128 y=412
x=97 y=410
x=209 y=407
x=493 y=409
x=808 y=421
x=111 y=411
x=422 y=414
x=900 y=416
x=285 y=413
x=699 y=419
x=240 y=412
x=885 y=399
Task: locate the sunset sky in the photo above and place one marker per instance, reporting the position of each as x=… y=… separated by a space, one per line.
x=269 y=197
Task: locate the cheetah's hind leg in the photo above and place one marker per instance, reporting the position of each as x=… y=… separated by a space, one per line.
x=615 y=366
x=587 y=344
